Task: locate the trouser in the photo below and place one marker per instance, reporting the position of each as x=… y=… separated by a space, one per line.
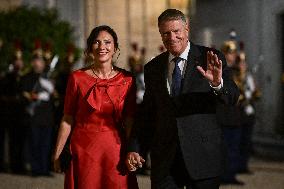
x=40 y=146
x=179 y=177
x=2 y=146
x=17 y=143
x=232 y=137
x=246 y=142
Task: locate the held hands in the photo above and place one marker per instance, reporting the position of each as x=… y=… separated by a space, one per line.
x=57 y=166
x=214 y=69
x=134 y=161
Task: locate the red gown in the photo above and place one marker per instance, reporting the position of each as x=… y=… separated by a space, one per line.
x=97 y=145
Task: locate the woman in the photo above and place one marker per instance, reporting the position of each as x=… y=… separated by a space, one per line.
x=98 y=111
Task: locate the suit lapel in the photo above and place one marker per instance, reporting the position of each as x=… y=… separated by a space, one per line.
x=192 y=62
x=163 y=70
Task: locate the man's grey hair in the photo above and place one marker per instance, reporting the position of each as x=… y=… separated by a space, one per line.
x=171 y=14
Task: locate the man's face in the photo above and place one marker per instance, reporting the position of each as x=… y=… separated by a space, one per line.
x=231 y=58
x=242 y=66
x=174 y=35
x=38 y=65
x=18 y=64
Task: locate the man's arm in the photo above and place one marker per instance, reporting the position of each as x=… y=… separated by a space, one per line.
x=142 y=128
x=219 y=77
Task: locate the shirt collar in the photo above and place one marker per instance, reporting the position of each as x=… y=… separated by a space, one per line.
x=183 y=55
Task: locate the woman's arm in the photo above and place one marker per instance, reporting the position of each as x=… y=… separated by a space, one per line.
x=63 y=133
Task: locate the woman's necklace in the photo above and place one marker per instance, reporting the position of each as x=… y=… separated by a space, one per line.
x=108 y=75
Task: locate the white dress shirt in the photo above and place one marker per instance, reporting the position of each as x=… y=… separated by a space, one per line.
x=182 y=66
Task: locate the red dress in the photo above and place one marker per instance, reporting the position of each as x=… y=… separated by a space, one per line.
x=97 y=145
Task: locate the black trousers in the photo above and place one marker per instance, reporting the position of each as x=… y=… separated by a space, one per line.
x=2 y=147
x=40 y=146
x=178 y=177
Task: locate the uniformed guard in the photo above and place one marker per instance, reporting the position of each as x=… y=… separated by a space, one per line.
x=134 y=58
x=229 y=118
x=229 y=49
x=14 y=110
x=62 y=72
x=37 y=91
x=249 y=94
x=47 y=54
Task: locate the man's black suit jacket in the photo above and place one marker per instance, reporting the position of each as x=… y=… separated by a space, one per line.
x=189 y=118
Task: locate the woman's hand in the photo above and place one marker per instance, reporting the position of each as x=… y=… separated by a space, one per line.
x=63 y=133
x=57 y=166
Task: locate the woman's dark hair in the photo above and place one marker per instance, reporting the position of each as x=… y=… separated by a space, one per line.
x=94 y=34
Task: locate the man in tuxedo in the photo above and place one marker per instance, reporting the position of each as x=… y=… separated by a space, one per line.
x=183 y=86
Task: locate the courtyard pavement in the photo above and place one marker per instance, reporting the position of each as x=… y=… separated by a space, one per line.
x=266 y=175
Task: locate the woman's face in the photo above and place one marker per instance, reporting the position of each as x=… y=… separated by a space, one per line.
x=103 y=47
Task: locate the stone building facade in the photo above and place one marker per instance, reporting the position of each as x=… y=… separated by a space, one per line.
x=259 y=23
x=133 y=20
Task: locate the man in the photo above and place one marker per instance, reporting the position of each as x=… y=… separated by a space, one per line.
x=249 y=94
x=14 y=112
x=179 y=111
x=134 y=58
x=229 y=119
x=37 y=91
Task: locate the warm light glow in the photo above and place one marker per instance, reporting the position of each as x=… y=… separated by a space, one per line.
x=181 y=4
x=186 y=6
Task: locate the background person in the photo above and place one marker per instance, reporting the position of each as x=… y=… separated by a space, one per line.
x=249 y=94
x=37 y=93
x=229 y=120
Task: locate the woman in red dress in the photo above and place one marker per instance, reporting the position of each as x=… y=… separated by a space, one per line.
x=98 y=111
